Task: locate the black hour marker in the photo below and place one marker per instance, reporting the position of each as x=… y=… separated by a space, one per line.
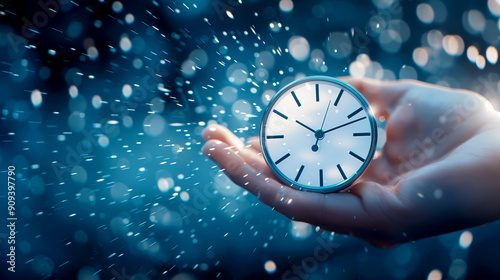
x=321 y=177
x=341 y=171
x=361 y=134
x=299 y=173
x=275 y=136
x=338 y=97
x=296 y=99
x=317 y=92
x=354 y=113
x=356 y=156
x=282 y=158
x=280 y=114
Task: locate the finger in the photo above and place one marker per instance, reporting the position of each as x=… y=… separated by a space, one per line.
x=227 y=158
x=254 y=143
x=223 y=134
x=382 y=95
x=247 y=152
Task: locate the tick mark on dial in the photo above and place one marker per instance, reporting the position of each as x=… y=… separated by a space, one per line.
x=299 y=173
x=354 y=113
x=356 y=156
x=361 y=134
x=282 y=159
x=321 y=177
x=280 y=114
x=338 y=97
x=275 y=136
x=341 y=171
x=296 y=99
x=317 y=92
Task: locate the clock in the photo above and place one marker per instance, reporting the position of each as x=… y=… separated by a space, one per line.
x=318 y=134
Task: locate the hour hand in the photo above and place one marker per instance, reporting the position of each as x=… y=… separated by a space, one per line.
x=312 y=130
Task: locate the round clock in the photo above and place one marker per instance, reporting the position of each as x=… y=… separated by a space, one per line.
x=318 y=134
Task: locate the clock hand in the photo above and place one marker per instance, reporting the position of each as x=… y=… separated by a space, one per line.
x=315 y=147
x=346 y=124
x=305 y=126
x=320 y=134
x=326 y=113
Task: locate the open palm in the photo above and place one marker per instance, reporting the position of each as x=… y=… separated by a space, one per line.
x=438 y=171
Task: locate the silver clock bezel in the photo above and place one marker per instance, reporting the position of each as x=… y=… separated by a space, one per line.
x=330 y=188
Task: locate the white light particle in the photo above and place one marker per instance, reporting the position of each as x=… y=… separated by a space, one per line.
x=164 y=184
x=465 y=239
x=299 y=48
x=184 y=196
x=300 y=230
x=286 y=6
x=357 y=69
x=492 y=55
x=420 y=56
x=453 y=45
x=117 y=6
x=125 y=43
x=96 y=102
x=103 y=141
x=435 y=274
x=127 y=90
x=36 y=98
x=472 y=54
x=93 y=53
x=494 y=7
x=425 y=13
x=73 y=91
x=129 y=18
x=270 y=267
x=480 y=62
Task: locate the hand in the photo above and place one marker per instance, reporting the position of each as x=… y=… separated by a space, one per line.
x=437 y=172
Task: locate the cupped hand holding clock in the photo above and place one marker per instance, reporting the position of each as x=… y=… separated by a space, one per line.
x=438 y=171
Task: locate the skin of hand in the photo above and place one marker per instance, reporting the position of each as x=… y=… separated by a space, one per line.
x=438 y=171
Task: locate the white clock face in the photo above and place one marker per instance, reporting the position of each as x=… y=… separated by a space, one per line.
x=318 y=134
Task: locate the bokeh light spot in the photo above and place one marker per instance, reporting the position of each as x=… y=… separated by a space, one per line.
x=425 y=13
x=299 y=48
x=270 y=266
x=36 y=98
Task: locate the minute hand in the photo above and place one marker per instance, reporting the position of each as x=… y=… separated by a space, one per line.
x=346 y=124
